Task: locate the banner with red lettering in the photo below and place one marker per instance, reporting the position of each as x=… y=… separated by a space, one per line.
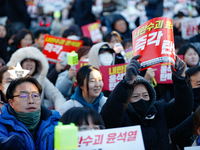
x=154 y=41
x=92 y=31
x=127 y=138
x=55 y=47
x=189 y=27
x=112 y=75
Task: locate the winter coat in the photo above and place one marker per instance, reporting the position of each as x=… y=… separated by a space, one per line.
x=9 y=126
x=195 y=38
x=17 y=11
x=64 y=84
x=161 y=116
x=76 y=100
x=154 y=8
x=94 y=54
x=182 y=134
x=49 y=91
x=83 y=12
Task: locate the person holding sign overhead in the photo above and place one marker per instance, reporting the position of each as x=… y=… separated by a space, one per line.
x=133 y=102
x=32 y=59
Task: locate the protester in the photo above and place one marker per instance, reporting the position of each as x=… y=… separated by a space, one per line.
x=5 y=79
x=101 y=54
x=83 y=12
x=39 y=38
x=182 y=135
x=65 y=79
x=24 y=123
x=83 y=117
x=88 y=91
x=190 y=55
x=120 y=25
x=135 y=104
x=23 y=38
x=32 y=59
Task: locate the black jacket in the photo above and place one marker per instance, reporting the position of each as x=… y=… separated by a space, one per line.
x=118 y=112
x=83 y=12
x=195 y=38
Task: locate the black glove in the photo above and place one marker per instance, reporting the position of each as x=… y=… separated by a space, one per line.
x=14 y=142
x=179 y=69
x=132 y=69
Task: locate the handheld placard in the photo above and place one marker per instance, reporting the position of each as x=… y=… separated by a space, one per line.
x=72 y=59
x=65 y=137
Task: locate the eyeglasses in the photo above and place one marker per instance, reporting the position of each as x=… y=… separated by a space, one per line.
x=24 y=96
x=87 y=127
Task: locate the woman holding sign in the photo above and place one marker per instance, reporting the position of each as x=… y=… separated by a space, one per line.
x=133 y=102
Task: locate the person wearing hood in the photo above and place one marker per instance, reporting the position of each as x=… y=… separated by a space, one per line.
x=101 y=54
x=135 y=104
x=120 y=25
x=88 y=92
x=33 y=59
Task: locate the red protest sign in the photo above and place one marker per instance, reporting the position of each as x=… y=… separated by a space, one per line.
x=92 y=31
x=163 y=74
x=154 y=41
x=112 y=75
x=55 y=47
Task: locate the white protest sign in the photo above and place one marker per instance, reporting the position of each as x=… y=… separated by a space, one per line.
x=127 y=138
x=189 y=27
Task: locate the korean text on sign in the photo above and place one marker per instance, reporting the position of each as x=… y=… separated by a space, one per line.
x=154 y=41
x=120 y=138
x=55 y=47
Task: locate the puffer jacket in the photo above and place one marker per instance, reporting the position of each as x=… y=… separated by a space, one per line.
x=161 y=116
x=9 y=126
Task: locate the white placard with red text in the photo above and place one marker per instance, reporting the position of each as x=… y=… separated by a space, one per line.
x=127 y=138
x=189 y=27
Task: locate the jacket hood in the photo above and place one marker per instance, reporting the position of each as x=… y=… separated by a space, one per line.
x=94 y=53
x=31 y=53
x=116 y=18
x=151 y=91
x=78 y=96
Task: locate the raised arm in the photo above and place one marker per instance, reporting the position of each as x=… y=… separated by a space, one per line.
x=114 y=109
x=181 y=107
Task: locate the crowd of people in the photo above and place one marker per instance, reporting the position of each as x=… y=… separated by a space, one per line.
x=31 y=106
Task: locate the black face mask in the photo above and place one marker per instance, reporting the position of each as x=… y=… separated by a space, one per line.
x=196 y=92
x=141 y=106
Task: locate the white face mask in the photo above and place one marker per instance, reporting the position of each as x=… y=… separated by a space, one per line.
x=106 y=59
x=5 y=87
x=86 y=60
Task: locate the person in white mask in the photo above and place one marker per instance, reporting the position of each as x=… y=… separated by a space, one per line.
x=5 y=79
x=101 y=54
x=65 y=79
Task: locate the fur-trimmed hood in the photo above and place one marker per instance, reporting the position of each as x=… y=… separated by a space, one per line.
x=31 y=53
x=94 y=54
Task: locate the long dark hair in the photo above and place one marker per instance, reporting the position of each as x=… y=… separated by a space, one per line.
x=78 y=115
